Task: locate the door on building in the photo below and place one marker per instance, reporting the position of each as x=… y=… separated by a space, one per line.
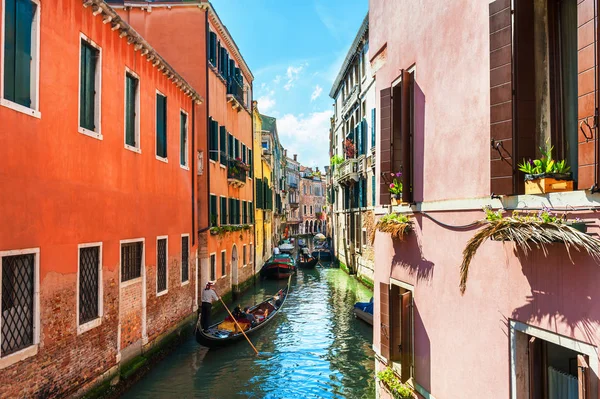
x=401 y=330
x=550 y=371
x=234 y=265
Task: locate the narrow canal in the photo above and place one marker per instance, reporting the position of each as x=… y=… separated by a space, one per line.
x=315 y=348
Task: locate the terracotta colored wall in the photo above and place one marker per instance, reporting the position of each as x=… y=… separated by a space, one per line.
x=61 y=188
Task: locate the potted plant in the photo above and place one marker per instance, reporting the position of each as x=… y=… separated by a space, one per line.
x=539 y=228
x=546 y=175
x=393 y=385
x=336 y=160
x=396 y=224
x=349 y=148
x=396 y=188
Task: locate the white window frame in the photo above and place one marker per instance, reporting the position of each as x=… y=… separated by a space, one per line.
x=137 y=149
x=97 y=134
x=81 y=328
x=186 y=166
x=210 y=264
x=186 y=282
x=33 y=349
x=244 y=256
x=142 y=277
x=34 y=110
x=165 y=160
x=224 y=257
x=166 y=290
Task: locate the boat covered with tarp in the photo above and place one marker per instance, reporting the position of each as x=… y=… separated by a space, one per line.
x=278 y=267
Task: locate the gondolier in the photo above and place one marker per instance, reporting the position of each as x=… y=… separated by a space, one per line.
x=208 y=297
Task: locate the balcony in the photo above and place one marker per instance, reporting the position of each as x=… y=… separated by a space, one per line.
x=236 y=172
x=294 y=204
x=350 y=100
x=235 y=94
x=347 y=172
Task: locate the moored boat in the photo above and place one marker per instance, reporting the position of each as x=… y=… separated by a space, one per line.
x=278 y=267
x=364 y=311
x=310 y=264
x=323 y=254
x=227 y=332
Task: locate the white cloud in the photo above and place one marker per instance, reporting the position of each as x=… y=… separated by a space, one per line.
x=307 y=136
x=316 y=93
x=292 y=75
x=277 y=79
x=265 y=103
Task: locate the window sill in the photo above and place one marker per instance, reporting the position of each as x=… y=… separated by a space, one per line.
x=223 y=276
x=223 y=166
x=161 y=159
x=90 y=133
x=18 y=356
x=20 y=108
x=89 y=325
x=133 y=149
x=212 y=161
x=184 y=167
x=130 y=282
x=183 y=283
x=162 y=293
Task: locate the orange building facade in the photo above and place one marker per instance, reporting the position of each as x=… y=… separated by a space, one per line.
x=209 y=59
x=100 y=140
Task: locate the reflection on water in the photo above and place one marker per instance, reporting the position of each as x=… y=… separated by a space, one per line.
x=315 y=348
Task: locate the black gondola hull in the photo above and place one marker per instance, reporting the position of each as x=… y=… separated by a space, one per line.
x=308 y=265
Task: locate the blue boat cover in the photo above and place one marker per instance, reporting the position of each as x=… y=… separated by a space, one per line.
x=365 y=306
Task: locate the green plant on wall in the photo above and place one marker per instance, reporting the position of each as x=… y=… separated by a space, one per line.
x=398 y=390
x=336 y=160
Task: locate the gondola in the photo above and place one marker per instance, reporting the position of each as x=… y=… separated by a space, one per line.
x=226 y=332
x=310 y=264
x=364 y=311
x=278 y=267
x=323 y=254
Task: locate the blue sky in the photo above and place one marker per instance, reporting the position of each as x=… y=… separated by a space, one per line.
x=295 y=48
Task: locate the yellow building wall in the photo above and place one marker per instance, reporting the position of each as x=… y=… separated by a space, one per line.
x=262 y=225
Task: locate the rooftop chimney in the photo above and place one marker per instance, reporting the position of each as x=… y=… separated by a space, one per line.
x=295 y=157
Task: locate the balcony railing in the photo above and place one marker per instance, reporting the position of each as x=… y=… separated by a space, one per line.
x=236 y=172
x=235 y=91
x=347 y=171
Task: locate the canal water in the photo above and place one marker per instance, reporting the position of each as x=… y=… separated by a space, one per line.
x=314 y=348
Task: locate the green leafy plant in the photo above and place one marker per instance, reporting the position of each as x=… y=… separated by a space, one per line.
x=396 y=224
x=544 y=165
x=395 y=185
x=394 y=385
x=526 y=229
x=336 y=160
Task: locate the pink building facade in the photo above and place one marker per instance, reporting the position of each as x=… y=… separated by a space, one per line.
x=451 y=79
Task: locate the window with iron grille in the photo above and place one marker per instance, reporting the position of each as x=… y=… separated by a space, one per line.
x=18 y=273
x=213 y=267
x=185 y=259
x=161 y=265
x=89 y=283
x=223 y=268
x=131 y=260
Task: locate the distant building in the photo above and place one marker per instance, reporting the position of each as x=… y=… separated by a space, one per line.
x=352 y=149
x=312 y=201
x=292 y=178
x=98 y=247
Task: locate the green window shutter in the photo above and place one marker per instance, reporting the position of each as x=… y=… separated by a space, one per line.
x=212 y=48
x=10 y=48
x=257 y=186
x=161 y=125
x=250 y=162
x=213 y=211
x=223 y=144
x=213 y=139
x=25 y=12
x=229 y=145
x=130 y=115
x=251 y=210
x=183 y=139
x=223 y=211
x=236 y=148
x=219 y=55
x=373 y=190
x=364 y=135
x=373 y=128
x=231 y=210
x=244 y=153
x=89 y=57
x=225 y=64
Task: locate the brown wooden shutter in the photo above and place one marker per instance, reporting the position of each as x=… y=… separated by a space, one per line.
x=384 y=314
x=583 y=377
x=406 y=134
x=501 y=92
x=407 y=335
x=586 y=62
x=395 y=323
x=385 y=144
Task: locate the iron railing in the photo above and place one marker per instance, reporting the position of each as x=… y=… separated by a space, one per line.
x=131 y=260
x=236 y=169
x=161 y=266
x=185 y=270
x=88 y=284
x=237 y=90
x=17 y=303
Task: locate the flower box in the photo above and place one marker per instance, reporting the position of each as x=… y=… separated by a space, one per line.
x=548 y=183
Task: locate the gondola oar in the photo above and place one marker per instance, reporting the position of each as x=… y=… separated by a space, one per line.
x=236 y=323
